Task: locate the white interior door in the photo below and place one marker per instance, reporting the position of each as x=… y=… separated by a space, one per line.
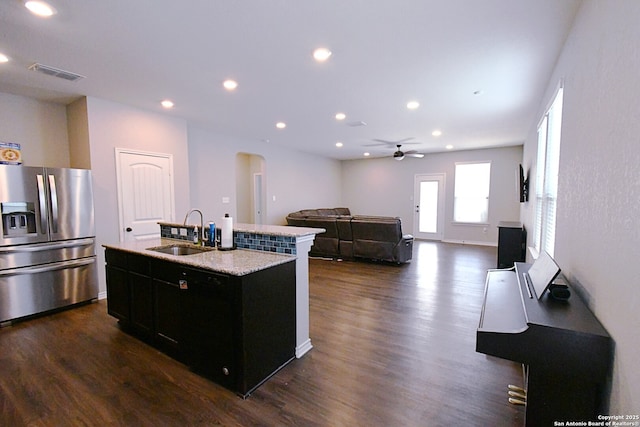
x=429 y=206
x=145 y=193
x=257 y=198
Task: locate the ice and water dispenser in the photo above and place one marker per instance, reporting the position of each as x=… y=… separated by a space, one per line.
x=18 y=218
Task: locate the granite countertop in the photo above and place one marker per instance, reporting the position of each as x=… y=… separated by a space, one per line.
x=238 y=262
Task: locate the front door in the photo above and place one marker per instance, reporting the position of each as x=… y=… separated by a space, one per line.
x=145 y=193
x=429 y=206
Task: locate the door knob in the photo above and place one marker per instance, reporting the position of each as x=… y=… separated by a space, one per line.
x=128 y=229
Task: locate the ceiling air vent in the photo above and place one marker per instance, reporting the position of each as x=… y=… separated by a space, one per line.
x=55 y=72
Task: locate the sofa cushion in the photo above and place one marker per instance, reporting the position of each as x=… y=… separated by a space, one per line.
x=375 y=238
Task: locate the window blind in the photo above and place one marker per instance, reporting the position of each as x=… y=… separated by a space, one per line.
x=548 y=167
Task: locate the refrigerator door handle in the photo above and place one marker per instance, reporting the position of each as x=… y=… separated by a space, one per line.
x=50 y=267
x=47 y=247
x=53 y=194
x=42 y=199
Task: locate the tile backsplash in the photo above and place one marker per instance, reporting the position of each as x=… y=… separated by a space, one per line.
x=241 y=239
x=179 y=233
x=265 y=242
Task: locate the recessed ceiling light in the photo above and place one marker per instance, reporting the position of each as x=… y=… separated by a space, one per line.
x=449 y=147
x=40 y=8
x=4 y=58
x=341 y=116
x=339 y=144
x=230 y=84
x=281 y=125
x=412 y=105
x=167 y=103
x=366 y=154
x=321 y=54
x=436 y=132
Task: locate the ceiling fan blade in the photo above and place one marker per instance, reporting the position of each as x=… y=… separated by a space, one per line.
x=395 y=143
x=416 y=155
x=402 y=141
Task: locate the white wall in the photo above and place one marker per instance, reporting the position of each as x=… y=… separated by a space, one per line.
x=113 y=125
x=39 y=127
x=599 y=185
x=296 y=180
x=385 y=187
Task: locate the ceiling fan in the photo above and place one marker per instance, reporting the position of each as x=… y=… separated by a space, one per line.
x=399 y=154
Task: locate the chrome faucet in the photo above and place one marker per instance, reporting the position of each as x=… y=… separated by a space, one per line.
x=201 y=231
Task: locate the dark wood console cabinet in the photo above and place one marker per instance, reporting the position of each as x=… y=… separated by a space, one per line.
x=235 y=330
x=512 y=243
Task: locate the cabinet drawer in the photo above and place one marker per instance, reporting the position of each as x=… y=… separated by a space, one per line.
x=116 y=258
x=138 y=264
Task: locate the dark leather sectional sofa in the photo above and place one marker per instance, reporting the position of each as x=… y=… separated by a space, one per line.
x=355 y=236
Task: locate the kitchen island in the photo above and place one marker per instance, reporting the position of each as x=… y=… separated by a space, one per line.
x=229 y=315
x=272 y=238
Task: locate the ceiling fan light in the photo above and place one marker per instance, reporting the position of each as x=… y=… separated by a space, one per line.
x=398 y=157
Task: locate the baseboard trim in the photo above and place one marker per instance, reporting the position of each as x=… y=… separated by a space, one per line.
x=302 y=349
x=471 y=242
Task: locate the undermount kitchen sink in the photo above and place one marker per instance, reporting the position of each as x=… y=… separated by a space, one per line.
x=180 y=249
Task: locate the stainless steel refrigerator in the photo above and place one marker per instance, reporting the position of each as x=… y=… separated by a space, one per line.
x=47 y=240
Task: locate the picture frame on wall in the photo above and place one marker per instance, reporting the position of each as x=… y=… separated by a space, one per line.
x=10 y=153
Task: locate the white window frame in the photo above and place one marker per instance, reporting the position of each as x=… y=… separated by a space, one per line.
x=547 y=170
x=459 y=197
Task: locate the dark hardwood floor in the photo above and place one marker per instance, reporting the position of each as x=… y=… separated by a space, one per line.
x=393 y=346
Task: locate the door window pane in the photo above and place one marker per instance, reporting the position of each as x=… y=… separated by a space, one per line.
x=428 y=207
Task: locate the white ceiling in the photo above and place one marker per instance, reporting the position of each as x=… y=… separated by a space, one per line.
x=385 y=53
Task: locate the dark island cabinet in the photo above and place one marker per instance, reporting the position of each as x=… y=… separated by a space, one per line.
x=118 y=294
x=141 y=291
x=235 y=330
x=167 y=307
